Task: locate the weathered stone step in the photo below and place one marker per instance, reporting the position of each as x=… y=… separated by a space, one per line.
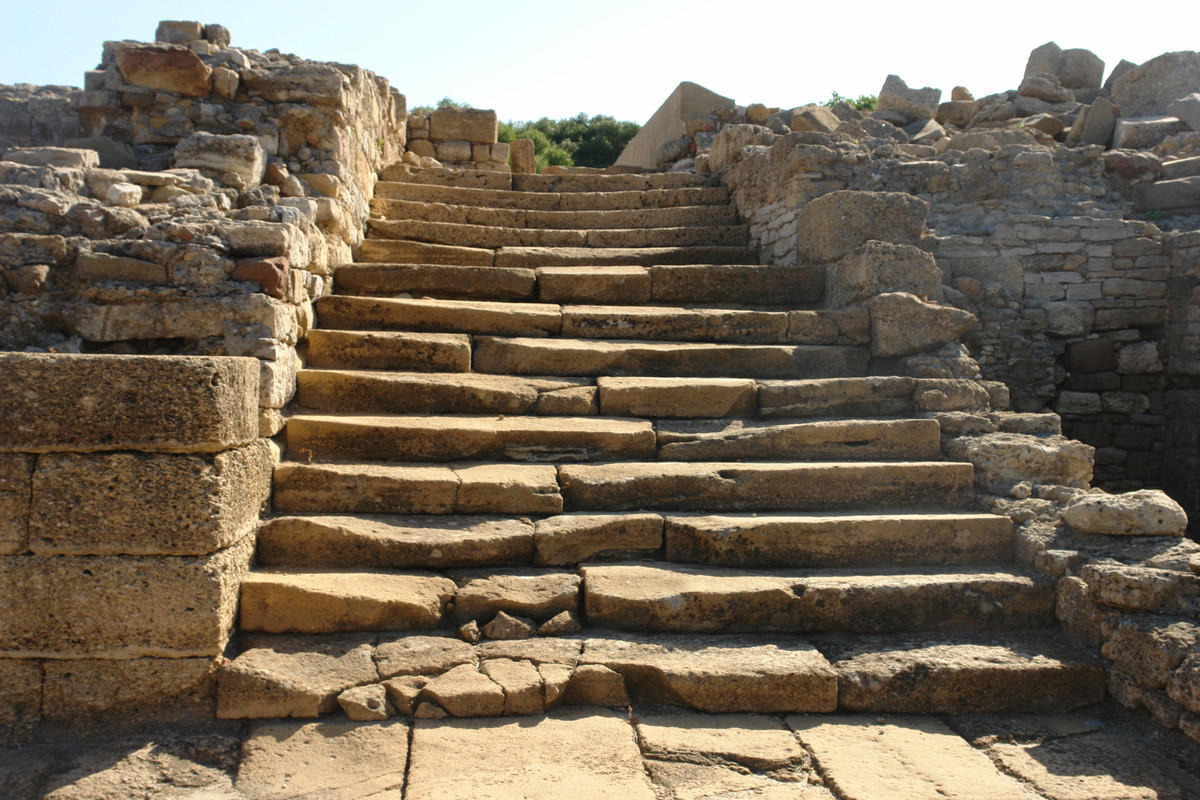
x=675 y=324
x=450 y=233
x=620 y=200
x=672 y=598
x=400 y=251
x=446 y=176
x=431 y=315
x=449 y=438
x=391 y=489
x=578 y=357
x=840 y=540
x=819 y=486
x=357 y=391
x=603 y=182
x=669 y=217
x=394 y=542
x=840 y=440
x=402 y=350
x=1029 y=672
x=294 y=601
x=437 y=280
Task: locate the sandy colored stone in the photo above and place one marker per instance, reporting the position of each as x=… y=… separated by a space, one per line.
x=341 y=760
x=1150 y=87
x=1148 y=512
x=877 y=267
x=505 y=626
x=20 y=695
x=435 y=316
x=392 y=350
x=508 y=489
x=594 y=285
x=471 y=125
x=365 y=488
x=465 y=692
x=366 y=703
x=539 y=651
x=574 y=538
x=822 y=440
x=909 y=758
x=834 y=224
x=105 y=267
x=882 y=396
x=421 y=655
x=241 y=154
x=166 y=68
x=902 y=324
x=439 y=281
x=677 y=397
x=333 y=602
x=584 y=754
x=16 y=473
x=403 y=692
x=759 y=742
x=106 y=614
x=84 y=403
x=444 y=392
x=293 y=676
x=521 y=682
x=704 y=781
x=1097 y=766
x=1003 y=459
x=147 y=504
x=595 y=685
x=765 y=284
x=673 y=323
x=94 y=694
x=539 y=594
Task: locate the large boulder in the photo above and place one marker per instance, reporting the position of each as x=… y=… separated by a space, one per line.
x=1045 y=86
x=1148 y=89
x=1075 y=69
x=1004 y=459
x=1187 y=109
x=168 y=68
x=1148 y=512
x=914 y=104
x=879 y=267
x=833 y=225
x=903 y=324
x=732 y=139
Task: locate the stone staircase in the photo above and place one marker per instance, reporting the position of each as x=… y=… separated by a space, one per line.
x=561 y=439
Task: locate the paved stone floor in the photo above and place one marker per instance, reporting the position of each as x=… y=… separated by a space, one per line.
x=646 y=753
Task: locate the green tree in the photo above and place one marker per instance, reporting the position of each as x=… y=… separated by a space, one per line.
x=864 y=102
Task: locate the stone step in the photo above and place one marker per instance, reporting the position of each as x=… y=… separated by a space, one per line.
x=831 y=440
x=608 y=182
x=347 y=312
x=279 y=676
x=675 y=324
x=446 y=176
x=449 y=233
x=672 y=598
x=721 y=487
x=401 y=350
x=533 y=257
x=462 y=438
x=389 y=251
x=332 y=541
x=437 y=280
x=669 y=217
x=618 y=200
x=579 y=357
x=391 y=489
x=359 y=391
x=839 y=540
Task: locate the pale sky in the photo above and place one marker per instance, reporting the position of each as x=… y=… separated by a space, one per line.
x=557 y=58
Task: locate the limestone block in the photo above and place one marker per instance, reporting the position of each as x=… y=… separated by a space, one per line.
x=16 y=472
x=308 y=83
x=105 y=267
x=1148 y=512
x=727 y=147
x=1141 y=588
x=178 y=31
x=814 y=118
x=1045 y=86
x=924 y=131
x=902 y=324
x=1004 y=459
x=1166 y=195
x=168 y=68
x=1069 y=318
x=1094 y=125
x=237 y=153
x=1186 y=108
x=255 y=238
x=20 y=695
x=523 y=159
x=500 y=152
x=454 y=151
x=183 y=317
x=914 y=104
x=424 y=148
x=1181 y=168
x=957 y=112
x=687 y=102
x=142 y=690
x=1143 y=133
x=834 y=224
x=1148 y=89
x=1139 y=358
x=1151 y=647
x=466 y=124
x=1080 y=69
x=67 y=157
x=85 y=403
x=366 y=703
x=1045 y=58
x=120 y=607
x=877 y=267
x=147 y=504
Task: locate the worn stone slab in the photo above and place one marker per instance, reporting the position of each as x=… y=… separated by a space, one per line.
x=439 y=316
x=460 y=438
x=734 y=486
x=913 y=758
x=106 y=613
x=16 y=481
x=839 y=540
x=842 y=440
x=392 y=350
x=1003 y=459
x=834 y=224
x=521 y=683
x=293 y=676
x=792 y=286
x=467 y=124
x=84 y=695
x=147 y=504
x=561 y=652
x=20 y=695
x=674 y=324
x=826 y=397
x=464 y=691
x=364 y=488
x=395 y=542
x=574 y=538
x=962 y=673
x=624 y=285
x=757 y=742
x=430 y=654
x=1148 y=512
x=483 y=283
x=391 y=251
x=342 y=760
x=78 y=403
x=677 y=397
x=719 y=674
x=584 y=754
x=533 y=257
x=685 y=780
x=608 y=182
x=292 y=601
x=508 y=489
x=536 y=594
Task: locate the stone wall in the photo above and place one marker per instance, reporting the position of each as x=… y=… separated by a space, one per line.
x=464 y=138
x=130 y=490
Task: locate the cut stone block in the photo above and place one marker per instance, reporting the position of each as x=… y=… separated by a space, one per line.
x=433 y=316
x=538 y=594
x=677 y=397
x=387 y=350
x=833 y=225
x=421 y=655
x=574 y=538
x=90 y=694
x=20 y=695
x=466 y=692
x=16 y=480
x=845 y=440
x=444 y=393
x=874 y=396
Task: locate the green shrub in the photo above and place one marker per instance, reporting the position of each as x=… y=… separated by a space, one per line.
x=864 y=102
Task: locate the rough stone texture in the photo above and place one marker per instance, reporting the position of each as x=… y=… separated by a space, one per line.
x=329 y=759
x=1187 y=109
x=757 y=742
x=220 y=153
x=366 y=703
x=914 y=104
x=16 y=473
x=469 y=125
x=107 y=614
x=82 y=695
x=1152 y=86
x=1147 y=512
x=465 y=692
x=1003 y=459
x=913 y=758
x=421 y=655
x=20 y=696
x=538 y=594
x=521 y=682
x=167 y=68
x=147 y=504
x=573 y=539
x=902 y=324
x=74 y=403
x=584 y=754
x=835 y=224
x=878 y=267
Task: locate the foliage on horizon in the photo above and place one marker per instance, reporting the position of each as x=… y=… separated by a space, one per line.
x=864 y=102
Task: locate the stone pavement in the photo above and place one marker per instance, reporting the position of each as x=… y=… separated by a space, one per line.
x=647 y=752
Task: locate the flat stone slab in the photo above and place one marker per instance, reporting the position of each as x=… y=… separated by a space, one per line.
x=677 y=397
x=574 y=538
x=753 y=740
x=537 y=594
x=624 y=285
x=833 y=440
x=392 y=350
x=437 y=316
x=482 y=283
x=828 y=397
x=737 y=283
x=585 y=755
x=342 y=760
x=674 y=324
x=619 y=256
x=914 y=759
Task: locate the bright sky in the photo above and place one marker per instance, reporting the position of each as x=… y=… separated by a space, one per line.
x=557 y=58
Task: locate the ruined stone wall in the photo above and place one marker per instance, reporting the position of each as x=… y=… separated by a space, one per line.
x=463 y=138
x=130 y=490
